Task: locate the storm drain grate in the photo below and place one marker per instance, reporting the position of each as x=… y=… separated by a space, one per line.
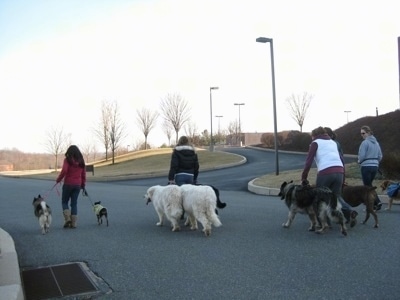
x=56 y=281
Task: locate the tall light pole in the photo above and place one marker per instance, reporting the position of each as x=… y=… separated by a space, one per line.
x=211 y=117
x=347 y=112
x=270 y=41
x=240 y=126
x=398 y=50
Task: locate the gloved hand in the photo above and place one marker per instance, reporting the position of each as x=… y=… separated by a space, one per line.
x=305 y=182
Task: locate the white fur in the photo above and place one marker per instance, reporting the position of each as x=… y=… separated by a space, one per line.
x=167 y=200
x=199 y=203
x=44 y=218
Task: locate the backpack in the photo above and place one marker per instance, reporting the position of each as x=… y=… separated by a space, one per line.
x=393 y=189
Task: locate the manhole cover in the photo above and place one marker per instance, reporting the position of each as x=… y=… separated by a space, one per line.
x=57 y=281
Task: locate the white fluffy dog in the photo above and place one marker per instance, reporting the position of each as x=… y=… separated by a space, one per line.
x=199 y=203
x=167 y=200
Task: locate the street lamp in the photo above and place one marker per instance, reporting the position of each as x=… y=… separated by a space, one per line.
x=211 y=117
x=240 y=127
x=347 y=112
x=270 y=41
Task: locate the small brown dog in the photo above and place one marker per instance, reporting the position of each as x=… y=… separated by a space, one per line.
x=384 y=186
x=361 y=194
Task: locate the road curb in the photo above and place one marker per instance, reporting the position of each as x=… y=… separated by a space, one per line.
x=10 y=278
x=259 y=190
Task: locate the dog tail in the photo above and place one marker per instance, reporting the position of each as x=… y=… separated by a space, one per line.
x=220 y=204
x=215 y=220
x=212 y=216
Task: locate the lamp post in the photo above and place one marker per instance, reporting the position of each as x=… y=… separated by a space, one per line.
x=270 y=41
x=240 y=126
x=347 y=112
x=211 y=117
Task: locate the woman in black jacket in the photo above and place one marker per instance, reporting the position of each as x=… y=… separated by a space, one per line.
x=184 y=167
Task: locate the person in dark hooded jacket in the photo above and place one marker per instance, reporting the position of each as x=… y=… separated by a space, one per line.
x=184 y=167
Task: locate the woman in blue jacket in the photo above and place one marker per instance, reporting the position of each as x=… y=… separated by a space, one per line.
x=369 y=157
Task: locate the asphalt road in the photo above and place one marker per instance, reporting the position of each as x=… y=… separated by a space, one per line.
x=250 y=257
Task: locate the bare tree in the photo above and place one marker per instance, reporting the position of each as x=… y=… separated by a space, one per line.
x=103 y=130
x=146 y=121
x=191 y=132
x=168 y=131
x=175 y=111
x=89 y=151
x=116 y=129
x=56 y=143
x=298 y=105
x=233 y=131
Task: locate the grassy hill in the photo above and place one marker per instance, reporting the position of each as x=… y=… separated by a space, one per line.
x=386 y=129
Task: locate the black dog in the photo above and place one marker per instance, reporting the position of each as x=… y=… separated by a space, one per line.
x=220 y=204
x=100 y=212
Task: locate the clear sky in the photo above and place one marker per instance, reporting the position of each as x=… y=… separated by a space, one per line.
x=60 y=59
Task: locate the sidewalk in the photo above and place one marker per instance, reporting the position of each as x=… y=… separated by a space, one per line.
x=10 y=279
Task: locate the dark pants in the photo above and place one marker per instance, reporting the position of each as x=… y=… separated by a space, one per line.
x=368 y=174
x=335 y=183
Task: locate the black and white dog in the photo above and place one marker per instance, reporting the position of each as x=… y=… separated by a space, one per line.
x=220 y=204
x=100 y=212
x=320 y=203
x=43 y=212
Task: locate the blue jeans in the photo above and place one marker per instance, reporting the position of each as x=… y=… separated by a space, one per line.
x=368 y=174
x=70 y=192
x=183 y=178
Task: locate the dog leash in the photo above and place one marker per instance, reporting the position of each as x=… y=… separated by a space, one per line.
x=86 y=194
x=49 y=191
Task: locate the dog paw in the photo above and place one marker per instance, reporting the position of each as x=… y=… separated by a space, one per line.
x=176 y=229
x=159 y=224
x=207 y=232
x=284 y=225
